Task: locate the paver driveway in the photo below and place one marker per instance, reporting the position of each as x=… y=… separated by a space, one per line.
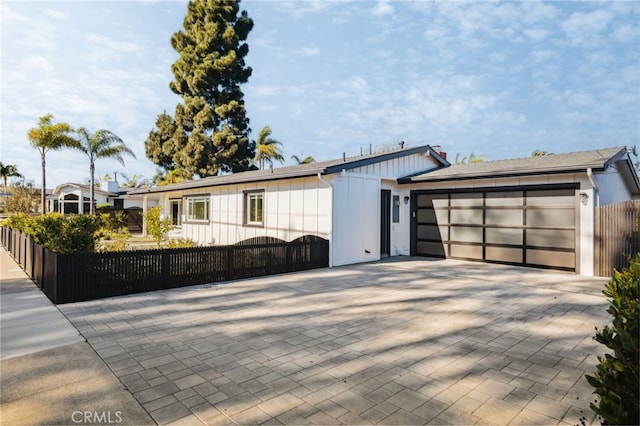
x=412 y=342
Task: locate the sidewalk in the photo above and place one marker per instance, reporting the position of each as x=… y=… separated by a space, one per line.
x=49 y=374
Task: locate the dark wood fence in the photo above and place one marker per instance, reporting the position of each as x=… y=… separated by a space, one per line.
x=617 y=236
x=66 y=278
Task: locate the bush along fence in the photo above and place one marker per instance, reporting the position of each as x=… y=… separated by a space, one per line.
x=66 y=278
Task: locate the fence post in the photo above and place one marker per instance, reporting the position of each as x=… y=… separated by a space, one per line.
x=289 y=268
x=166 y=269
x=230 y=262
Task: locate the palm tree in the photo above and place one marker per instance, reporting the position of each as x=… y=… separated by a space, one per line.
x=540 y=153
x=101 y=144
x=50 y=136
x=472 y=159
x=305 y=160
x=267 y=148
x=10 y=170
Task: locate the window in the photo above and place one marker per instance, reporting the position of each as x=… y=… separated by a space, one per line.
x=254 y=213
x=176 y=212
x=197 y=208
x=396 y=209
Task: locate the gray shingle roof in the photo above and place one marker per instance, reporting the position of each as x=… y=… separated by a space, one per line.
x=301 y=170
x=597 y=159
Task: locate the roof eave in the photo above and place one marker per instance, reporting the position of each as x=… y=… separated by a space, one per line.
x=500 y=175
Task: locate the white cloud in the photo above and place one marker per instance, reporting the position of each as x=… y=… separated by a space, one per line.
x=626 y=34
x=55 y=14
x=586 y=29
x=383 y=8
x=309 y=51
x=536 y=35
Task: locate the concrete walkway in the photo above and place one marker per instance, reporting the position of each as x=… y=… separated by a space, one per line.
x=413 y=342
x=49 y=374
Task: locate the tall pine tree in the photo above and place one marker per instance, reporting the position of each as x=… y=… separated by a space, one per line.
x=209 y=131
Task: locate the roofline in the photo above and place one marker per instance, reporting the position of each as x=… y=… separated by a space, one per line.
x=385 y=157
x=196 y=184
x=408 y=180
x=615 y=157
x=311 y=171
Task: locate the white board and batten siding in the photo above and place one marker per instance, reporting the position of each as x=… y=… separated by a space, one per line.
x=291 y=208
x=398 y=167
x=356 y=214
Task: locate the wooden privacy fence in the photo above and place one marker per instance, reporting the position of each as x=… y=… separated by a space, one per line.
x=617 y=236
x=66 y=278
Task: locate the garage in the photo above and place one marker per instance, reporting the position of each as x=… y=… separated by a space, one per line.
x=519 y=225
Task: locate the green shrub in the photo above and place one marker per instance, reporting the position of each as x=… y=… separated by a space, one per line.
x=180 y=243
x=616 y=379
x=113 y=221
x=113 y=240
x=73 y=234
x=19 y=221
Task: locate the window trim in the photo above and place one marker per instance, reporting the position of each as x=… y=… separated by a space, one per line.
x=246 y=210
x=186 y=202
x=180 y=203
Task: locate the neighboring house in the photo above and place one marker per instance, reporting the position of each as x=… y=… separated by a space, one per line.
x=74 y=198
x=338 y=200
x=536 y=211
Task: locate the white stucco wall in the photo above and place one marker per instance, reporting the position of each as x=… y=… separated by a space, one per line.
x=611 y=187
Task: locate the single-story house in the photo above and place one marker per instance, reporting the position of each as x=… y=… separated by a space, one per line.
x=74 y=198
x=536 y=211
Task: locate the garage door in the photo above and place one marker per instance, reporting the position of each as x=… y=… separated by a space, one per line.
x=530 y=226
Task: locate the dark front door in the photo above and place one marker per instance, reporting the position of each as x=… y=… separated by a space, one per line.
x=385 y=223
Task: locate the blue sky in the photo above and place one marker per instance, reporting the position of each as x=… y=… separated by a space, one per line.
x=495 y=78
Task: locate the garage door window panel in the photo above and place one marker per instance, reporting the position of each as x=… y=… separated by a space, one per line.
x=504 y=217
x=467 y=200
x=466 y=251
x=505 y=236
x=551 y=238
x=552 y=198
x=432 y=232
x=467 y=216
x=504 y=254
x=504 y=199
x=550 y=258
x=551 y=217
x=466 y=234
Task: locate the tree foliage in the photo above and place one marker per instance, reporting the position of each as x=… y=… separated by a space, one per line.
x=209 y=131
x=101 y=144
x=540 y=153
x=616 y=380
x=267 y=148
x=303 y=160
x=472 y=158
x=7 y=171
x=23 y=198
x=49 y=136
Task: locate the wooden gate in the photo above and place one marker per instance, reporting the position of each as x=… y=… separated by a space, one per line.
x=617 y=236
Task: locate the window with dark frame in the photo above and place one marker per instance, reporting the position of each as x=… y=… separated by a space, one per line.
x=176 y=212
x=198 y=208
x=253 y=208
